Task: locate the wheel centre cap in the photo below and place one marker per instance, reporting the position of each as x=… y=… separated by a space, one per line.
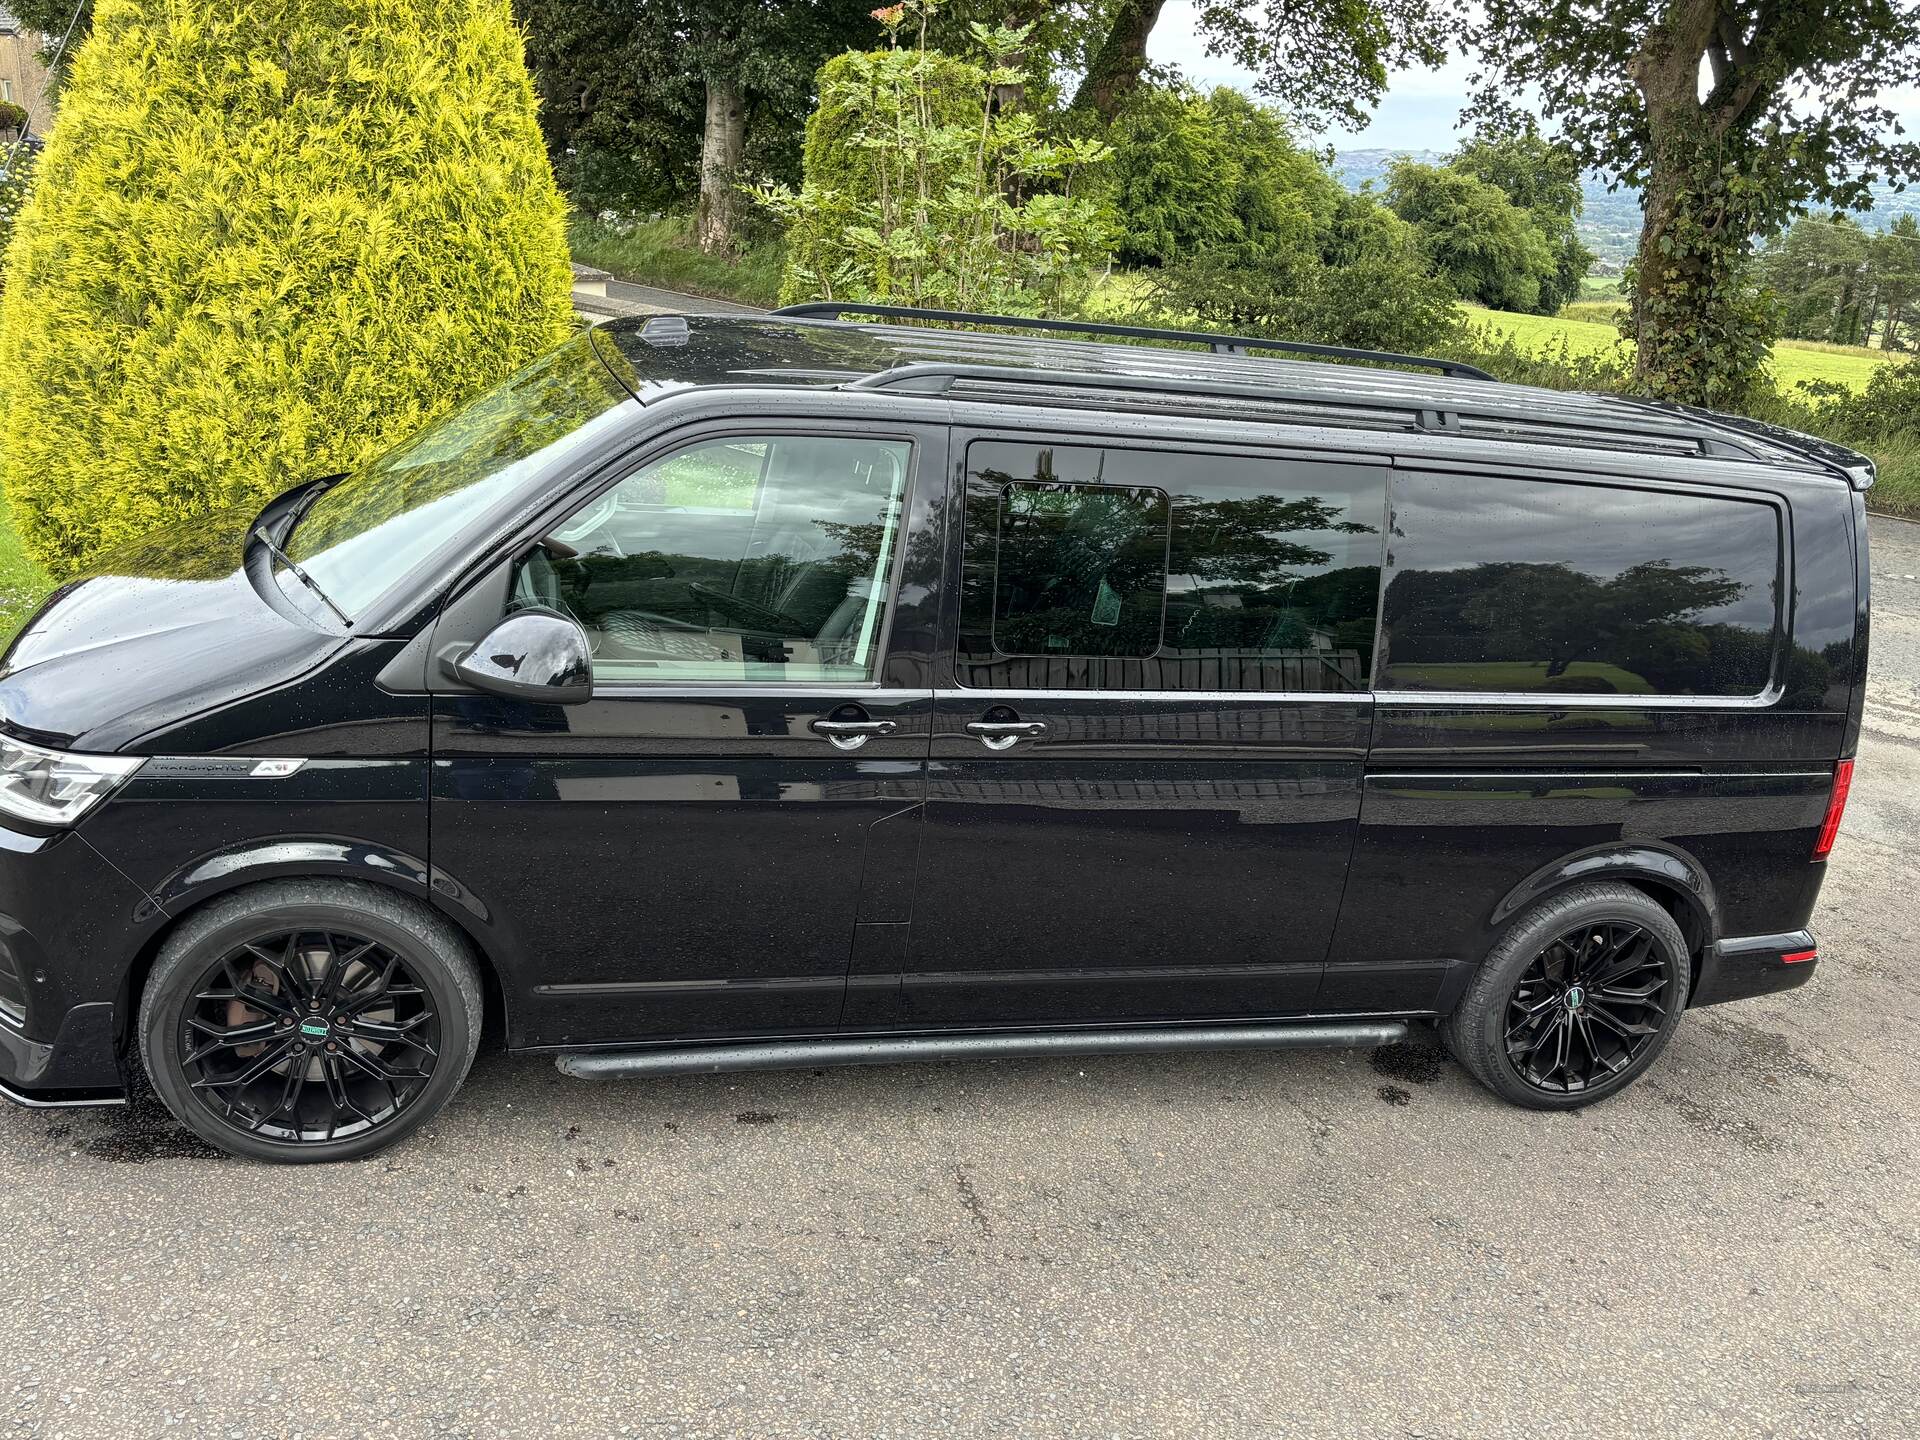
x=1575 y=997
x=315 y=1029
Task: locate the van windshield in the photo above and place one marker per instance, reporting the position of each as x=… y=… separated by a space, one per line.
x=366 y=534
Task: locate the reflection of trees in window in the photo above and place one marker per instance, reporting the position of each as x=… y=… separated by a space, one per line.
x=1080 y=570
x=545 y=402
x=1646 y=622
x=1264 y=577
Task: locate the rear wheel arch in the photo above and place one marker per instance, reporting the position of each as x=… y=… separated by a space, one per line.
x=1665 y=873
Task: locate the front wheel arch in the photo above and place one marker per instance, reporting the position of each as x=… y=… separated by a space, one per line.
x=395 y=882
x=413 y=1012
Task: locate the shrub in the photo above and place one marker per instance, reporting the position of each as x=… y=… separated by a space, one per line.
x=1362 y=280
x=1192 y=173
x=269 y=240
x=1169 y=177
x=844 y=177
x=917 y=194
x=1492 y=250
x=12 y=117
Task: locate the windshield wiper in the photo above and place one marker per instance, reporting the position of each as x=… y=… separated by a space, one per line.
x=260 y=534
x=315 y=489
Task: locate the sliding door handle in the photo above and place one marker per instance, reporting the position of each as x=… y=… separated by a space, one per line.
x=1000 y=734
x=851 y=734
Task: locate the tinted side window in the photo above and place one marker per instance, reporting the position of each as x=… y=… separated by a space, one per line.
x=1500 y=584
x=753 y=558
x=1097 y=568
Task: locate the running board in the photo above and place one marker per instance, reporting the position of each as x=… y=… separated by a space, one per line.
x=1006 y=1045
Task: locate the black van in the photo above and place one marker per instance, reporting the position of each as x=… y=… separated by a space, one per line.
x=735 y=693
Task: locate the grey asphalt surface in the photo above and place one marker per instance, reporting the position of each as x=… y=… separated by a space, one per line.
x=1338 y=1244
x=629 y=299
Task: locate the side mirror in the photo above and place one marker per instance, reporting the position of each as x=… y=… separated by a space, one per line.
x=533 y=655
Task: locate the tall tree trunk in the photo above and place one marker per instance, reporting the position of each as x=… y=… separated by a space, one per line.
x=1117 y=64
x=1676 y=299
x=721 y=149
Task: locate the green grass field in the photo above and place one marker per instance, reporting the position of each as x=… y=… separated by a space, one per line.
x=23 y=584
x=1793 y=360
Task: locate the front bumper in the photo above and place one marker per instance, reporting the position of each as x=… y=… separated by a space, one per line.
x=1741 y=967
x=70 y=927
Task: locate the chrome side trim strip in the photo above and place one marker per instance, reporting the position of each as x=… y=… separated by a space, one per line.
x=1507 y=699
x=1171 y=697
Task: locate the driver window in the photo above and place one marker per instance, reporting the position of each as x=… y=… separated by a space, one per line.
x=738 y=559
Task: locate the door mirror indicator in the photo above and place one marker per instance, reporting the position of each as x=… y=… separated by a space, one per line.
x=536 y=655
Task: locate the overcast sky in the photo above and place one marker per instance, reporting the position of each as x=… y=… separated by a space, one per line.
x=1418 y=112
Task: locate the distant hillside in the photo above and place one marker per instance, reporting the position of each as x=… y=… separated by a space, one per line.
x=1610 y=223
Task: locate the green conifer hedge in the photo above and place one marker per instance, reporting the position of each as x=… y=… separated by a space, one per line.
x=268 y=239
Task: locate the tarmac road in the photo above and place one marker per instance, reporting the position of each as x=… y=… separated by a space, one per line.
x=1339 y=1244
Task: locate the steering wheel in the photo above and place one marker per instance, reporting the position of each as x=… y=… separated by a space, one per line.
x=746 y=612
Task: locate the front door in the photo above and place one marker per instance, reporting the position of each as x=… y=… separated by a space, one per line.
x=1149 y=736
x=684 y=856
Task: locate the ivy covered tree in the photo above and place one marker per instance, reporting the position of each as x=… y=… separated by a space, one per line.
x=266 y=242
x=1729 y=116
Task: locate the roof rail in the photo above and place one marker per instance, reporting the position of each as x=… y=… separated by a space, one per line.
x=1515 y=421
x=1222 y=344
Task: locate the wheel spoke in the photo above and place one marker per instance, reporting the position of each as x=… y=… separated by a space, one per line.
x=1588 y=1006
x=1632 y=954
x=252 y=1073
x=253 y=1069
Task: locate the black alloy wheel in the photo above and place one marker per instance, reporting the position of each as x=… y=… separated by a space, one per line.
x=1587 y=1007
x=309 y=1035
x=307 y=1020
x=1576 y=1000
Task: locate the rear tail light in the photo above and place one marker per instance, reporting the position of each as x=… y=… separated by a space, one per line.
x=1836 y=807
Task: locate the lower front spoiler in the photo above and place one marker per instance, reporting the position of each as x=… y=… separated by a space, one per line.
x=63 y=1099
x=78 y=1067
x=1743 y=966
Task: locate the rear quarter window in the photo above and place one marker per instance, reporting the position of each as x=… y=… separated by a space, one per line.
x=1502 y=584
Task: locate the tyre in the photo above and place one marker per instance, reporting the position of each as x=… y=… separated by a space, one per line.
x=308 y=1020
x=1576 y=1001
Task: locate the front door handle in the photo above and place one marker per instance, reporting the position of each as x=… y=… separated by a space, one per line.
x=1001 y=734
x=851 y=734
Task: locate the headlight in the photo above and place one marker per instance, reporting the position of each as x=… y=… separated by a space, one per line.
x=51 y=788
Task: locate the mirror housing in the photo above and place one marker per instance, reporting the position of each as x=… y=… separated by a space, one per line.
x=536 y=655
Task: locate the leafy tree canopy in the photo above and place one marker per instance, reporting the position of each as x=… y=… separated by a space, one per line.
x=1319 y=59
x=1490 y=248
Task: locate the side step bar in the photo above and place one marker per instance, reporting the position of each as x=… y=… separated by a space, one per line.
x=1004 y=1045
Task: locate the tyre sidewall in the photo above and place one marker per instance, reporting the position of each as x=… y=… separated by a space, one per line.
x=203 y=938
